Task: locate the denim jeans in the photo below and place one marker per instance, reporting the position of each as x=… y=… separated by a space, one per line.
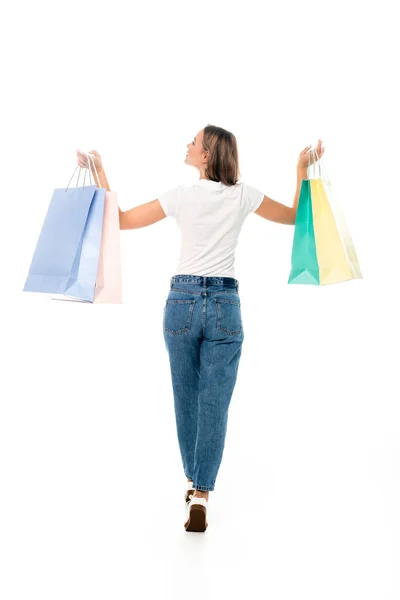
x=203 y=333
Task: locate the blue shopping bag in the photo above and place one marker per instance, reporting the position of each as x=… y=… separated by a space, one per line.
x=66 y=257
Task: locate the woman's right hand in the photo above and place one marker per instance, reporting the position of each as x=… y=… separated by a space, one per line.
x=95 y=158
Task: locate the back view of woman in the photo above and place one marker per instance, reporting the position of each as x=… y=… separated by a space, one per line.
x=202 y=324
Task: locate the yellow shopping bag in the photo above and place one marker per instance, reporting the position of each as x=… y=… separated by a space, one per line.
x=343 y=229
x=331 y=255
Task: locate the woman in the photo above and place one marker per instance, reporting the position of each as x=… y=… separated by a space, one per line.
x=202 y=323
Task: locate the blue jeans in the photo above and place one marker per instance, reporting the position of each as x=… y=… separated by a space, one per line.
x=203 y=334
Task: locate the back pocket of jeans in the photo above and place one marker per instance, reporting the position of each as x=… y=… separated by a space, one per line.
x=178 y=315
x=229 y=318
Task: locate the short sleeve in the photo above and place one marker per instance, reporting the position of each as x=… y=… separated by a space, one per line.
x=170 y=201
x=252 y=198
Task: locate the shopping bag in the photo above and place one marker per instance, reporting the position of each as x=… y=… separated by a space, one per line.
x=336 y=258
x=109 y=275
x=305 y=268
x=66 y=257
x=108 y=288
x=331 y=255
x=342 y=226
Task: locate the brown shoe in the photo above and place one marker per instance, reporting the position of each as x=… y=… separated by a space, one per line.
x=197 y=518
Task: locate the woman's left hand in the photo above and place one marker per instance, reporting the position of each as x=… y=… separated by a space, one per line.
x=307 y=157
x=95 y=158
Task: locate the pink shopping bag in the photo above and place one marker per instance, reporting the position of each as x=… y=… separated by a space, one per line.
x=109 y=276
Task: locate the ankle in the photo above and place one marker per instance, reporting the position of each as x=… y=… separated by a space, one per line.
x=201 y=494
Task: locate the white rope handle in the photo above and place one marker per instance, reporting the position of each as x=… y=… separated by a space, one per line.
x=323 y=168
x=86 y=168
x=94 y=166
x=319 y=159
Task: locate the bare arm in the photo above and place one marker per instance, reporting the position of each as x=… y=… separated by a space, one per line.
x=281 y=213
x=138 y=216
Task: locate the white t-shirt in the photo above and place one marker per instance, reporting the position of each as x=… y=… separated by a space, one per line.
x=210 y=216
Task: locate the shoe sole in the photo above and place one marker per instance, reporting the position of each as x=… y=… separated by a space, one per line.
x=197 y=520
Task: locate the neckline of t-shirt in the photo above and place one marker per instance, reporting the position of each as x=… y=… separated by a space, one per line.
x=210 y=183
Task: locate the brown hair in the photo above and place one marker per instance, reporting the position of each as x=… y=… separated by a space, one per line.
x=223 y=158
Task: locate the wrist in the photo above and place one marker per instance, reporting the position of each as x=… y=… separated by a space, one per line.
x=302 y=173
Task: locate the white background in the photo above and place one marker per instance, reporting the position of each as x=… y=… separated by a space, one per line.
x=306 y=500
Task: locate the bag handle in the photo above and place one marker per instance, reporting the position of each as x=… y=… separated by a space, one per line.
x=309 y=166
x=86 y=169
x=321 y=166
x=324 y=169
x=78 y=177
x=94 y=167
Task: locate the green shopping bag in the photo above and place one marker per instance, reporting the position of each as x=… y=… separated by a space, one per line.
x=305 y=267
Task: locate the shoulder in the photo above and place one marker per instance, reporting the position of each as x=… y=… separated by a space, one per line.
x=252 y=197
x=170 y=200
x=241 y=188
x=246 y=186
x=173 y=191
